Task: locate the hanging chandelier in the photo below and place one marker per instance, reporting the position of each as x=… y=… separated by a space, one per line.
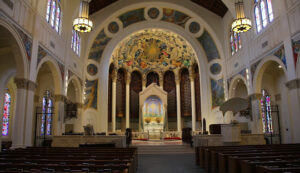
x=82 y=23
x=241 y=23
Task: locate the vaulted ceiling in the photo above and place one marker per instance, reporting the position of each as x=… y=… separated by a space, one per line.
x=215 y=6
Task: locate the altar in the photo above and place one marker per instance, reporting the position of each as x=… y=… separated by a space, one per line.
x=153 y=106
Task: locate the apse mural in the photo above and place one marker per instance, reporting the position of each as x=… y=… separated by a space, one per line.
x=153 y=49
x=153 y=114
x=176 y=17
x=217 y=91
x=209 y=46
x=132 y=17
x=98 y=46
x=91 y=88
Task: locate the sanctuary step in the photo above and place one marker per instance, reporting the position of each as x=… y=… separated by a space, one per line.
x=166 y=149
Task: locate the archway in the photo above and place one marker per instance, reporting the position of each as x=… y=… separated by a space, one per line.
x=48 y=101
x=13 y=64
x=269 y=80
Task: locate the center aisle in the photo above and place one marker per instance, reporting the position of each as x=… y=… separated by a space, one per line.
x=164 y=158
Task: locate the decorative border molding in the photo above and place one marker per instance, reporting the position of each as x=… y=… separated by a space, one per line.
x=60 y=97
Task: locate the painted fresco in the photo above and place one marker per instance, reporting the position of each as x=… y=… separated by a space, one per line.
x=280 y=53
x=215 y=68
x=153 y=49
x=92 y=69
x=113 y=27
x=131 y=17
x=41 y=54
x=27 y=42
x=98 y=46
x=176 y=17
x=153 y=13
x=296 y=51
x=217 y=91
x=91 y=88
x=209 y=46
x=153 y=114
x=194 y=27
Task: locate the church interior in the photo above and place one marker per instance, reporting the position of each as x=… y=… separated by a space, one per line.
x=115 y=85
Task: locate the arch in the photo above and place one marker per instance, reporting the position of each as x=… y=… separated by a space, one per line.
x=20 y=57
x=260 y=71
x=234 y=83
x=77 y=85
x=105 y=60
x=55 y=70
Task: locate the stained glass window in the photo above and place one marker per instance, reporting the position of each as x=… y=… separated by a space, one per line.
x=53 y=14
x=235 y=42
x=6 y=113
x=75 y=45
x=266 y=112
x=47 y=112
x=263 y=13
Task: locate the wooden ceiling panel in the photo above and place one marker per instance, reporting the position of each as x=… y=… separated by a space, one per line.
x=215 y=6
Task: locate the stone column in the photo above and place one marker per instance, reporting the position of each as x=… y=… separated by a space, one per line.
x=57 y=127
x=144 y=82
x=177 y=80
x=161 y=80
x=19 y=118
x=113 y=112
x=255 y=109
x=192 y=77
x=127 y=99
x=29 y=126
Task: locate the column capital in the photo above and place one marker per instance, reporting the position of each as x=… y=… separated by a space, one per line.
x=293 y=84
x=26 y=84
x=255 y=96
x=60 y=98
x=114 y=75
x=177 y=79
x=128 y=78
x=192 y=76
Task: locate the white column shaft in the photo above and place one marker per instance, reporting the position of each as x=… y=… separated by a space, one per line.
x=127 y=105
x=193 y=105
x=113 y=112
x=178 y=107
x=19 y=119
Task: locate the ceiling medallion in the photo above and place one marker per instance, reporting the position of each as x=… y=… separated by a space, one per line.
x=82 y=23
x=241 y=23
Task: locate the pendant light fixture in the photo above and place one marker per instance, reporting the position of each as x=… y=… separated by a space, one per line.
x=241 y=23
x=82 y=23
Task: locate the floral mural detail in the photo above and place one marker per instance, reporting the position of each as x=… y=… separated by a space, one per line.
x=176 y=17
x=27 y=41
x=153 y=49
x=92 y=69
x=41 y=54
x=98 y=46
x=217 y=92
x=296 y=50
x=91 y=88
x=209 y=46
x=280 y=53
x=131 y=17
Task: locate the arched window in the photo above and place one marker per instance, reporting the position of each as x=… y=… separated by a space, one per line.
x=266 y=115
x=53 y=14
x=75 y=42
x=263 y=13
x=235 y=42
x=6 y=113
x=47 y=112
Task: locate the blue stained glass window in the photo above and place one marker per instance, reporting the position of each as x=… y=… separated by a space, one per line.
x=266 y=112
x=263 y=13
x=75 y=45
x=6 y=114
x=53 y=14
x=235 y=42
x=47 y=112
